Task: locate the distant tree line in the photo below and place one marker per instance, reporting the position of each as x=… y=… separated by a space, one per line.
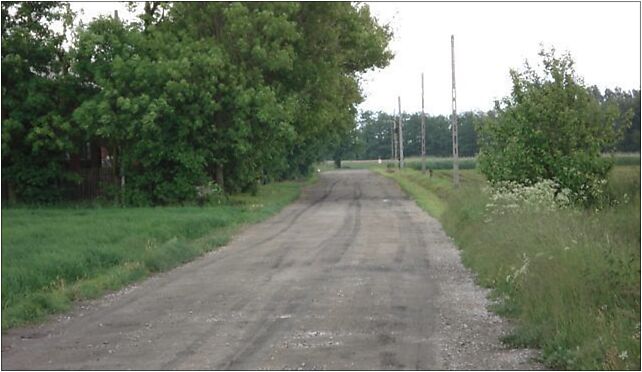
x=374 y=131
x=239 y=93
x=628 y=105
x=372 y=137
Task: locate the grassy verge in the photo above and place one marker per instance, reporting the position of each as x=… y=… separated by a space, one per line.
x=626 y=158
x=438 y=163
x=570 y=278
x=412 y=162
x=53 y=256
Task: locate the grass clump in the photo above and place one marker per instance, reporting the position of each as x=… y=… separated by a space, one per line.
x=570 y=277
x=53 y=256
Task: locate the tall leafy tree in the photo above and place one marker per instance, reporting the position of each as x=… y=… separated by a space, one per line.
x=339 y=42
x=154 y=95
x=628 y=104
x=38 y=96
x=304 y=59
x=237 y=92
x=254 y=123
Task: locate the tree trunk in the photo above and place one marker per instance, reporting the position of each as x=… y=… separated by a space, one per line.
x=219 y=176
x=12 y=192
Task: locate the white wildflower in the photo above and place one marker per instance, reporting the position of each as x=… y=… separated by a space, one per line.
x=513 y=197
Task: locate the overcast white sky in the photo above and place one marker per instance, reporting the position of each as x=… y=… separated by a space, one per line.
x=490 y=38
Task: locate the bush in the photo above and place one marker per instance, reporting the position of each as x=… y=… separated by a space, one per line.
x=552 y=128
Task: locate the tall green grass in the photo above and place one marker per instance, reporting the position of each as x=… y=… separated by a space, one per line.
x=437 y=163
x=53 y=256
x=626 y=158
x=442 y=163
x=570 y=278
x=413 y=162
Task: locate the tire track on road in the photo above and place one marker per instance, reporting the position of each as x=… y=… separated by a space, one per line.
x=278 y=297
x=272 y=327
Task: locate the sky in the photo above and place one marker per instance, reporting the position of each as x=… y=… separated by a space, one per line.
x=490 y=39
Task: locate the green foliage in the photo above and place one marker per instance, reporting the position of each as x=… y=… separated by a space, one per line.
x=243 y=93
x=570 y=278
x=374 y=133
x=51 y=256
x=38 y=97
x=340 y=42
x=550 y=127
x=628 y=121
x=152 y=107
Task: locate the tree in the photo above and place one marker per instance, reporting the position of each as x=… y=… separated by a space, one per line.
x=38 y=96
x=239 y=92
x=550 y=127
x=339 y=42
x=154 y=97
x=628 y=104
x=374 y=131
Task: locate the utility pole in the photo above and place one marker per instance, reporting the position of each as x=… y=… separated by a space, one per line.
x=423 y=128
x=393 y=138
x=454 y=118
x=400 y=135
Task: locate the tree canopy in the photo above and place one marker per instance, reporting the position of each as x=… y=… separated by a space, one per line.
x=38 y=97
x=237 y=92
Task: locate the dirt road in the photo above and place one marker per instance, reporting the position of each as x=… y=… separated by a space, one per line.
x=352 y=276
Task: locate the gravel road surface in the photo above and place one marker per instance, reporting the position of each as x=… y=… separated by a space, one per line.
x=351 y=276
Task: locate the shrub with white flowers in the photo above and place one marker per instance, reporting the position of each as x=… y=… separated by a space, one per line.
x=543 y=196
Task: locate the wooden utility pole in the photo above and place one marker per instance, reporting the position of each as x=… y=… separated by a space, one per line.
x=423 y=128
x=400 y=135
x=393 y=138
x=454 y=118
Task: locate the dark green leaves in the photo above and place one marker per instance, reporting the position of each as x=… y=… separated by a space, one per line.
x=239 y=92
x=550 y=127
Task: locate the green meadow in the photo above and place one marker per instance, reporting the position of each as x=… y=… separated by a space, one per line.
x=53 y=256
